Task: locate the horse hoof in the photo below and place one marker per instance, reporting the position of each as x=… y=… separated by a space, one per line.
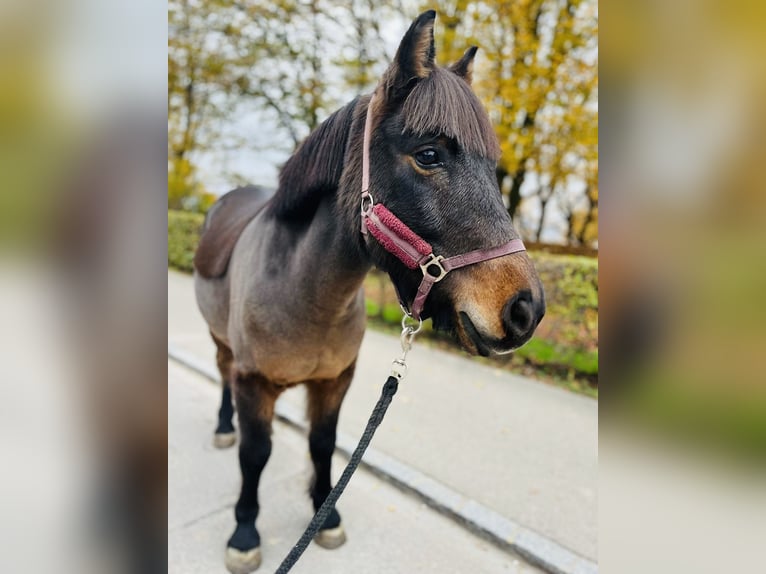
x=242 y=561
x=331 y=537
x=224 y=439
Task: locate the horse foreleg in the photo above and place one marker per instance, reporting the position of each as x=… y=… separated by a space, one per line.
x=324 y=401
x=255 y=398
x=224 y=436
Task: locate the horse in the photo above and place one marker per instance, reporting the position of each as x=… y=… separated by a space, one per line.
x=278 y=278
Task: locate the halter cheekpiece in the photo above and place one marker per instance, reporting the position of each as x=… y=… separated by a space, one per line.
x=406 y=245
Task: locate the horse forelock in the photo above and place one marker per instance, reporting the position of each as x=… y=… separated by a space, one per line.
x=444 y=103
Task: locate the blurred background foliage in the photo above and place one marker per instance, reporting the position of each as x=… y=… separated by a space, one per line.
x=297 y=61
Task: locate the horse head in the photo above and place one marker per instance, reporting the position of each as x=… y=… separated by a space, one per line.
x=432 y=163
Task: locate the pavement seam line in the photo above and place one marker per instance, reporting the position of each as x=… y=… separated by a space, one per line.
x=533 y=547
x=201 y=517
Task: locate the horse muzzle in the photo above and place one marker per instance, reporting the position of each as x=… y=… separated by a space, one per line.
x=498 y=305
x=520 y=317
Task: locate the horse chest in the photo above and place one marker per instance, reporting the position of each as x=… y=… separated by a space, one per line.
x=291 y=353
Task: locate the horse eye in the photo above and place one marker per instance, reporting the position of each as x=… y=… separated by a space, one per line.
x=427 y=158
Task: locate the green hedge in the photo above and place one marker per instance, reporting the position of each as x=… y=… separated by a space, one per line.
x=183 y=236
x=571 y=296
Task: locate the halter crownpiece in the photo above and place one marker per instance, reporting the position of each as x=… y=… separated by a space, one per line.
x=406 y=245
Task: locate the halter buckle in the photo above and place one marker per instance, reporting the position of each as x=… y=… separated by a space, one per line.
x=433 y=263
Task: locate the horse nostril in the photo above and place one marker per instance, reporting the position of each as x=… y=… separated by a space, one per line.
x=519 y=315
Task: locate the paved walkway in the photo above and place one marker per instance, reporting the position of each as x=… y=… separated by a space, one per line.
x=388 y=531
x=525 y=449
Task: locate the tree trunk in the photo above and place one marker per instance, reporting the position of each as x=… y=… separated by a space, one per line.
x=582 y=235
x=592 y=205
x=501 y=174
x=572 y=235
x=514 y=197
x=541 y=222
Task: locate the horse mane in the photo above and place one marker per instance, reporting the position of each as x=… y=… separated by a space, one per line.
x=444 y=103
x=314 y=169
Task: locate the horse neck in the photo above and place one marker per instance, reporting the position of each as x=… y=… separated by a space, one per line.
x=330 y=262
x=332 y=259
x=339 y=214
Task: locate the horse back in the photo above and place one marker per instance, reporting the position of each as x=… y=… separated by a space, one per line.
x=223 y=225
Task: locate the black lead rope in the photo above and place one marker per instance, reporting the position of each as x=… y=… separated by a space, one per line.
x=389 y=390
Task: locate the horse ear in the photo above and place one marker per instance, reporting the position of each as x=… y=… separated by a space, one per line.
x=464 y=66
x=414 y=59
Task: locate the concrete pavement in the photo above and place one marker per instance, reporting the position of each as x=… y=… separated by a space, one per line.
x=524 y=449
x=388 y=531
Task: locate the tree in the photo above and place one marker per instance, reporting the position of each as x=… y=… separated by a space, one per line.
x=363 y=57
x=289 y=75
x=539 y=65
x=207 y=61
x=222 y=54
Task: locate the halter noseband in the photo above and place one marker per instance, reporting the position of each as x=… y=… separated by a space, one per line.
x=411 y=249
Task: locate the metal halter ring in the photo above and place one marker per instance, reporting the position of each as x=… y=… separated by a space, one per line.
x=367 y=196
x=410 y=328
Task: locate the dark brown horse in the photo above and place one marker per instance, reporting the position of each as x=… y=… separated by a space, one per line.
x=279 y=280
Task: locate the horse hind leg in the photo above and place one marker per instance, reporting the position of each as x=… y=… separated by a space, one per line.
x=255 y=397
x=324 y=401
x=225 y=435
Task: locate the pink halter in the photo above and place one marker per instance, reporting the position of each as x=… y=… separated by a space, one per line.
x=411 y=249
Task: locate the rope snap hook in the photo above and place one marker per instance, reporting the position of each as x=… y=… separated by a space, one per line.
x=410 y=328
